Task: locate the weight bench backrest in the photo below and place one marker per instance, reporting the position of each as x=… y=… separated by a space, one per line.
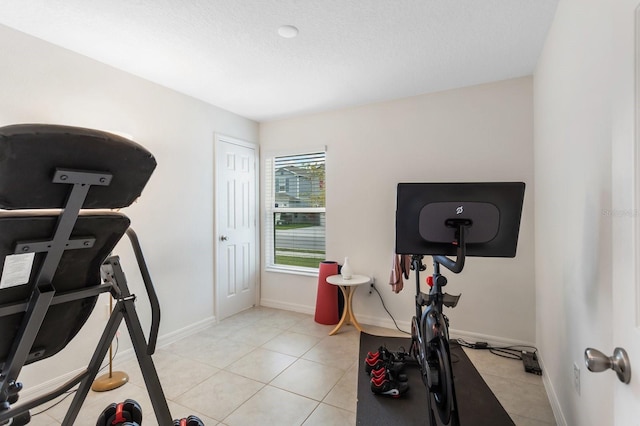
x=32 y=157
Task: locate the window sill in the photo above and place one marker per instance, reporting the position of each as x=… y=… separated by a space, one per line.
x=308 y=272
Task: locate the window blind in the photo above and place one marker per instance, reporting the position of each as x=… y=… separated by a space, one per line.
x=295 y=211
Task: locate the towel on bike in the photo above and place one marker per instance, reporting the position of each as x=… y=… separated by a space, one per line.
x=401 y=266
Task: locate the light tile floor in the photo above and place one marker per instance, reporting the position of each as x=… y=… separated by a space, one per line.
x=273 y=367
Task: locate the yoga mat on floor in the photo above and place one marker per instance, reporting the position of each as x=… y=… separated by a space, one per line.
x=477 y=405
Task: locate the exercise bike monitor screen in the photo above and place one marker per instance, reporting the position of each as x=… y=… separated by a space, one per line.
x=429 y=216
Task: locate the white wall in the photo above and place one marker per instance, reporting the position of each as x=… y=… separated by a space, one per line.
x=573 y=125
x=174 y=217
x=481 y=133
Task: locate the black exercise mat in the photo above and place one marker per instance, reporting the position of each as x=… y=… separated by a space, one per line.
x=477 y=405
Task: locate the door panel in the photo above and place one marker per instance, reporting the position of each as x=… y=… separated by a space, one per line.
x=236 y=230
x=626 y=202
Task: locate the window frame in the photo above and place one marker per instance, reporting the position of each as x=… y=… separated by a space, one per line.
x=272 y=187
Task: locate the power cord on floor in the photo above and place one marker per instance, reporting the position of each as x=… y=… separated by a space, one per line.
x=373 y=287
x=67 y=394
x=511 y=352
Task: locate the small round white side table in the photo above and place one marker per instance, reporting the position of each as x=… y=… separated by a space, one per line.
x=348 y=287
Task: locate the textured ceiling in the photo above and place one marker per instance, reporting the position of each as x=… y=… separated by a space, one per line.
x=348 y=52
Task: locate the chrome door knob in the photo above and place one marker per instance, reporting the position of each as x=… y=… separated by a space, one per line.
x=596 y=361
x=224 y=238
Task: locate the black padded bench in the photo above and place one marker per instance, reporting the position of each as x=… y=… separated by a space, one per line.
x=58 y=185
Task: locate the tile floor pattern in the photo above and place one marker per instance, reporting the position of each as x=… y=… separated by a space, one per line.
x=273 y=367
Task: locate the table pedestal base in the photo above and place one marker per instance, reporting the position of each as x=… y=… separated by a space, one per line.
x=347 y=313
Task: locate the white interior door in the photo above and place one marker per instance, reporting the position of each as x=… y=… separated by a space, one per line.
x=236 y=226
x=626 y=202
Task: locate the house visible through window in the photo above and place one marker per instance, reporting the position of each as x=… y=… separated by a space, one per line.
x=295 y=222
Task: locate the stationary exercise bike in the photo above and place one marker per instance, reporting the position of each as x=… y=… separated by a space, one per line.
x=430 y=335
x=446 y=220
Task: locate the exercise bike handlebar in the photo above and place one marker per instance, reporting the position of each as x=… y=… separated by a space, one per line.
x=457 y=265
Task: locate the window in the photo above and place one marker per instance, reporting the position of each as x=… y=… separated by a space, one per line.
x=295 y=212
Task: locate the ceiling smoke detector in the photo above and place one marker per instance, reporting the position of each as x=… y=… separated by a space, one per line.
x=288 y=31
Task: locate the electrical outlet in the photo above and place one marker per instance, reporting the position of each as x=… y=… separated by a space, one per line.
x=576 y=378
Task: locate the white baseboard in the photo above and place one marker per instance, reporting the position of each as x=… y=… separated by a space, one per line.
x=453 y=333
x=294 y=307
x=165 y=340
x=385 y=322
x=187 y=331
x=42 y=388
x=553 y=396
x=122 y=356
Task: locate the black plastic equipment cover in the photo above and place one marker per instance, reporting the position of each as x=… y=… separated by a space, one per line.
x=31 y=153
x=78 y=269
